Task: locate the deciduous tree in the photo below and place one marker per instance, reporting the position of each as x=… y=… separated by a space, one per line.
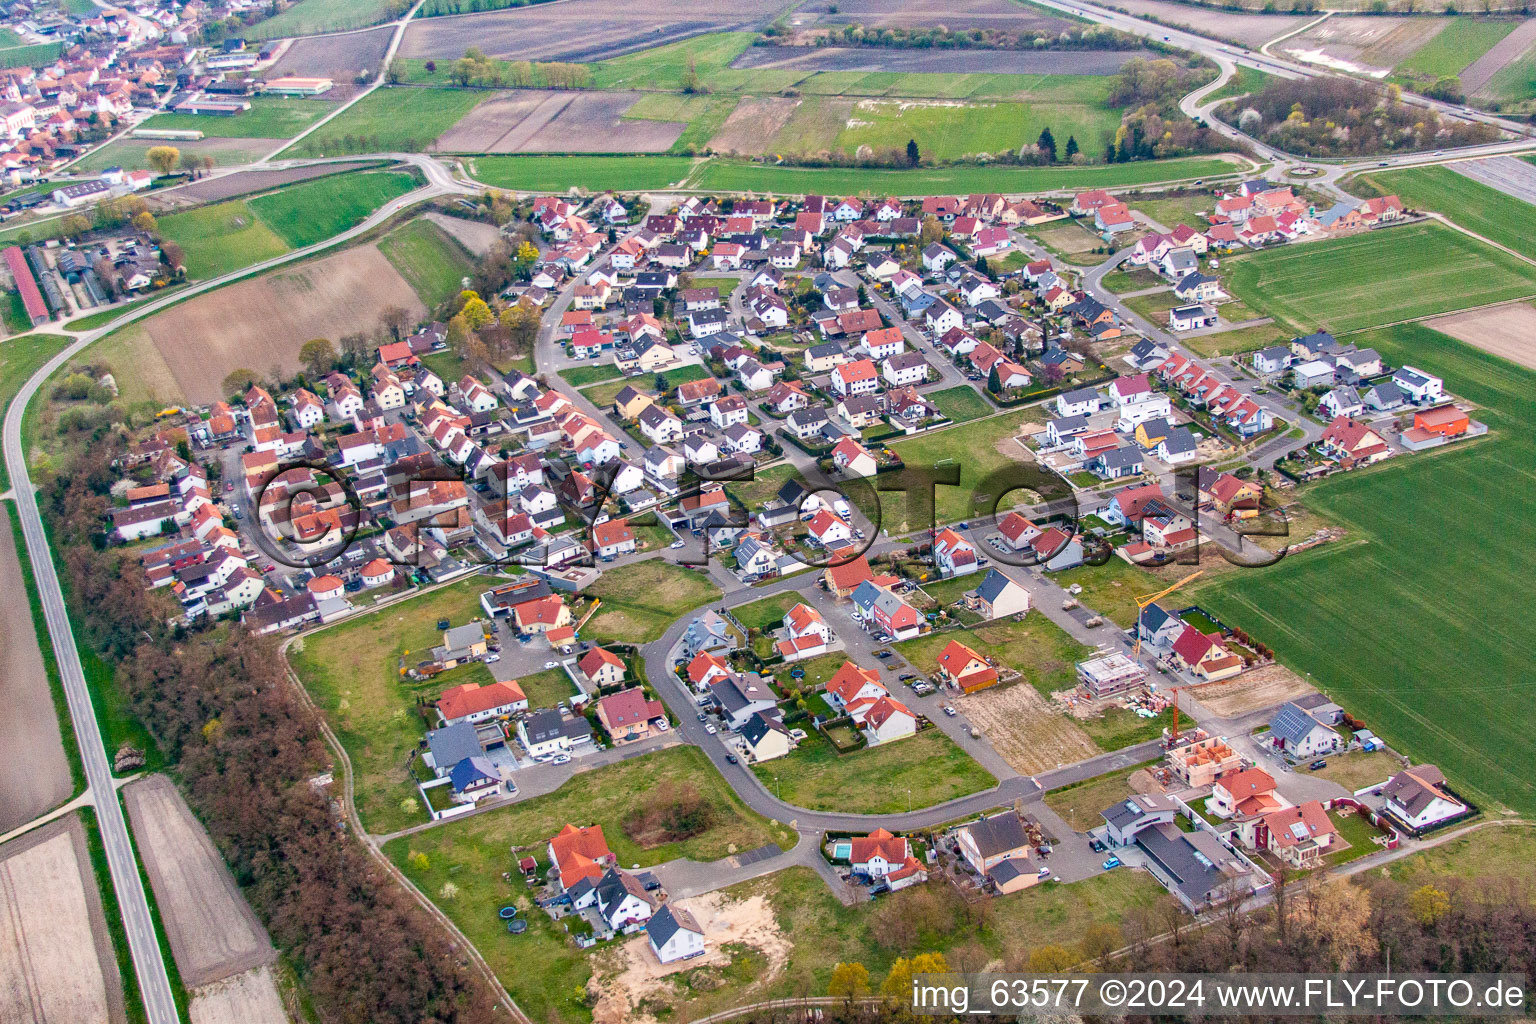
x=163 y=158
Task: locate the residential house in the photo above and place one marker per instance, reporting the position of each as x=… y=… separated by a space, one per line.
x=674 y=934
x=471 y=702
x=987 y=842
x=1301 y=734
x=953 y=554
x=627 y=716
x=1417 y=797
x=963 y=668
x=997 y=595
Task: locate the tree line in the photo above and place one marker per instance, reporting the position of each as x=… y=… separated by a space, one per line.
x=218 y=702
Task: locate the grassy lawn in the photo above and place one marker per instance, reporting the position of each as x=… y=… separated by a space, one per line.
x=309 y=17
x=133 y=154
x=1036 y=647
x=594 y=173
x=220 y=238
x=1358 y=769
x=739 y=176
x=1427 y=655
x=767 y=613
x=1154 y=307
x=723 y=285
x=1488 y=853
x=918 y=771
x=765 y=483
x=581 y=376
x=547 y=688
x=398 y=118
x=1122 y=281
x=1377 y=277
x=1081 y=803
x=433 y=263
x=1172 y=212
x=270 y=117
x=949 y=132
x=1247 y=80
x=960 y=403
x=1117 y=728
x=642 y=599
x=1358 y=832
x=95 y=320
x=312 y=211
x=990 y=469
x=1230 y=343
x=818 y=671
x=1450 y=50
x=543 y=971
x=352 y=672
x=1473 y=205
x=28 y=54
x=1111 y=589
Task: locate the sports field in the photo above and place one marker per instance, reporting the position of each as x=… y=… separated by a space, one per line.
x=1473 y=205
x=1377 y=277
x=1419 y=621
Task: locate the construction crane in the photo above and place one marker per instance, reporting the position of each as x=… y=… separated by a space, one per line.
x=1142 y=602
x=1173 y=735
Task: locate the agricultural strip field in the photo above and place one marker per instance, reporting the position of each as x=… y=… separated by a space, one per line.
x=874 y=780
x=1460 y=42
x=433 y=263
x=340 y=58
x=401 y=119
x=1508 y=331
x=213 y=932
x=133 y=154
x=545 y=121
x=1418 y=622
x=737 y=176
x=948 y=131
x=309 y=17
x=594 y=173
x=315 y=210
x=220 y=238
x=244 y=183
x=184 y=353
x=270 y=117
x=1475 y=206
x=35 y=775
x=1377 y=277
x=352 y=671
x=56 y=957
x=460 y=864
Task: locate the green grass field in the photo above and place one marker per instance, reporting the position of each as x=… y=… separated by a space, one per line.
x=874 y=780
x=309 y=17
x=1458 y=44
x=642 y=599
x=270 y=117
x=1515 y=82
x=947 y=132
x=1245 y=81
x=1475 y=206
x=978 y=448
x=400 y=118
x=434 y=264
x=595 y=173
x=20 y=358
x=28 y=55
x=581 y=376
x=960 y=403
x=767 y=612
x=312 y=211
x=740 y=176
x=220 y=238
x=1418 y=621
x=1377 y=277
x=1036 y=647
x=352 y=672
x=133 y=154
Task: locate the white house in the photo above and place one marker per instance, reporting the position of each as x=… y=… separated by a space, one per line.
x=1417 y=797
x=1081 y=402
x=674 y=934
x=1420 y=387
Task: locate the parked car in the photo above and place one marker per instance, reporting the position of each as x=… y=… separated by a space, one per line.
x=730 y=758
x=662 y=725
x=1111 y=864
x=550 y=664
x=560 y=759
x=907 y=677
x=675 y=544
x=949 y=709
x=882 y=654
x=1318 y=765
x=703 y=717
x=710 y=728
x=491 y=659
x=1097 y=845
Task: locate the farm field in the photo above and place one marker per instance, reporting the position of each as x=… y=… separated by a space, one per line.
x=641 y=599
x=1453 y=48
x=36 y=776
x=315 y=210
x=398 y=118
x=1477 y=207
x=56 y=956
x=337 y=57
x=309 y=17
x=220 y=238
x=543 y=121
x=184 y=353
x=1429 y=654
x=433 y=263
x=736 y=176
x=945 y=131
x=889 y=778
x=1508 y=331
x=960 y=403
x=1248 y=29
x=249 y=998
x=594 y=173
x=270 y=117
x=1377 y=277
x=352 y=673
x=213 y=932
x=245 y=183
x=541 y=968
x=1515 y=82
x=28 y=54
x=988 y=446
x=133 y=154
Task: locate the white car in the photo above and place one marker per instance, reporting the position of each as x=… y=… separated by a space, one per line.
x=662 y=726
x=676 y=544
x=560 y=759
x=550 y=664
x=491 y=659
x=711 y=729
x=949 y=711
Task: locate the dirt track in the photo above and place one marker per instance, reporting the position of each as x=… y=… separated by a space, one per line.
x=212 y=930
x=201 y=342
x=34 y=774
x=56 y=960
x=1508 y=331
x=249 y=998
